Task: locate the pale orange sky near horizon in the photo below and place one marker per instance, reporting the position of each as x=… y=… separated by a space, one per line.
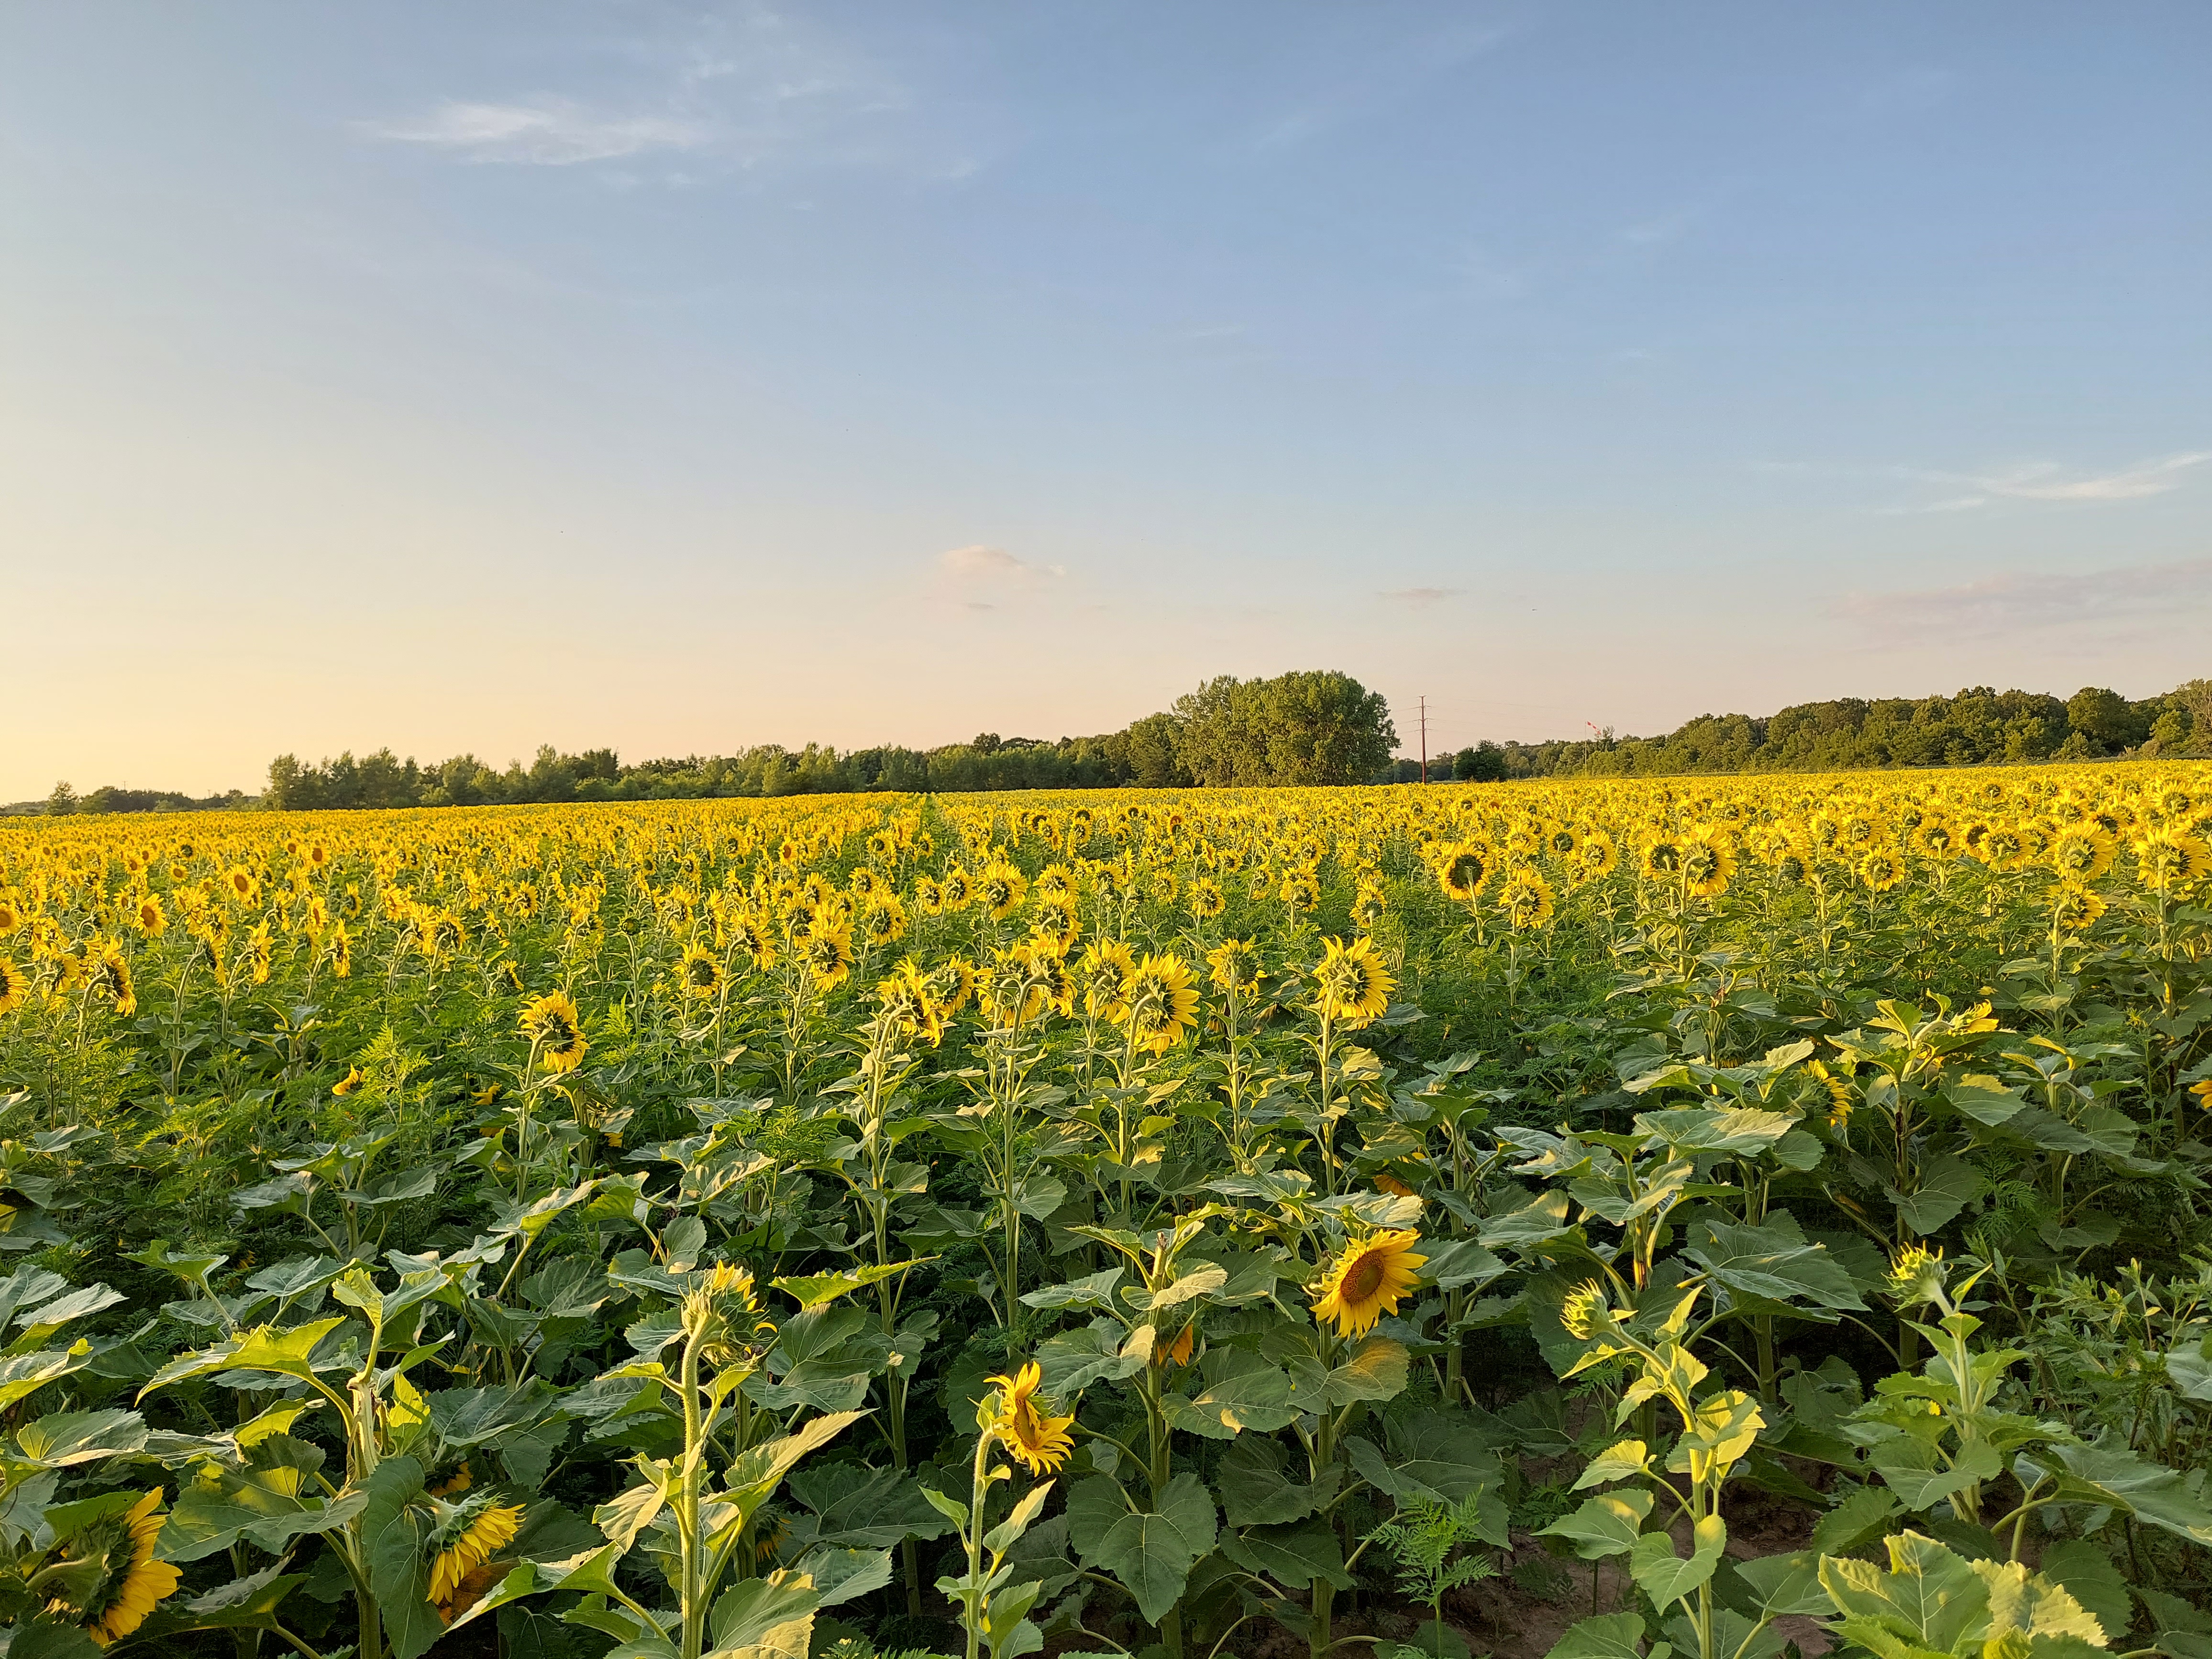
x=465 y=381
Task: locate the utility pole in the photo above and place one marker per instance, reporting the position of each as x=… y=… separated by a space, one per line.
x=1425 y=739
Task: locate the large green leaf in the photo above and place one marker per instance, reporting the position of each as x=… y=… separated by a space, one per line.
x=1295 y=1557
x=1152 y=1553
x=1607 y=1524
x=1376 y=1370
x=1608 y=1636
x=1667 y=1578
x=1245 y=1393
x=2118 y=1479
x=394 y=1532
x=1256 y=1487
x=1922 y=1477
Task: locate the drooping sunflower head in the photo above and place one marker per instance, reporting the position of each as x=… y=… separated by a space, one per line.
x=1662 y=860
x=1233 y=964
x=1159 y=1002
x=2075 y=909
x=1917 y=1275
x=1351 y=984
x=907 y=1003
x=1525 y=898
x=1880 y=869
x=469 y=1534
x=2084 y=852
x=1585 y=1312
x=928 y=897
x=1368 y=1279
x=1708 y=861
x=2173 y=861
x=351 y=1083
x=700 y=972
x=827 y=955
x=1002 y=888
x=556 y=1031
x=1300 y=891
x=1010 y=1415
x=883 y=919
x=1054 y=922
x=953 y=983
x=126 y=1582
x=111 y=977
x=1105 y=967
x=1205 y=898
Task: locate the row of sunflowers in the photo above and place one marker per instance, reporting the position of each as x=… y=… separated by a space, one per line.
x=1120 y=1220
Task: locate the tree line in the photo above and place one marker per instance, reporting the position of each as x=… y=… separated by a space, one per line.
x=1308 y=728
x=1979 y=726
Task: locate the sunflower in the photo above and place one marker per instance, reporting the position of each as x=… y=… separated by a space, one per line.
x=1525 y=899
x=953 y=983
x=1879 y=869
x=349 y=1083
x=827 y=955
x=130 y=1582
x=1040 y=1442
x=11 y=916
x=1159 y=1001
x=907 y=1004
x=1368 y=1280
x=148 y=917
x=2173 y=860
x=468 y=1534
x=1233 y=964
x=1708 y=861
x=14 y=986
x=928 y=897
x=2074 y=908
x=1105 y=968
x=1300 y=892
x=700 y=972
x=241 y=884
x=1662 y=860
x=111 y=977
x=1001 y=888
x=1464 y=869
x=556 y=1031
x=1598 y=855
x=1368 y=905
x=341 y=952
x=260 y=946
x=1351 y=984
x=954 y=889
x=2084 y=853
x=1054 y=924
x=1204 y=895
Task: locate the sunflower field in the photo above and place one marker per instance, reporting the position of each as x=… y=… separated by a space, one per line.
x=1598 y=1219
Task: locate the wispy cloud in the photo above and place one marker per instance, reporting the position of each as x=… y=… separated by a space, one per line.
x=1420 y=598
x=980 y=563
x=740 y=90
x=544 y=132
x=2027 y=602
x=2032 y=481
x=1386 y=81
x=2046 y=481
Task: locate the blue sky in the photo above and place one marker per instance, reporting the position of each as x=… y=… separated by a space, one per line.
x=466 y=377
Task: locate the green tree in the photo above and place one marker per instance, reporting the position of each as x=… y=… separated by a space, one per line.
x=2106 y=718
x=63 y=802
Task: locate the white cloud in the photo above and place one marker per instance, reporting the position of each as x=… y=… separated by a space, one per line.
x=983 y=564
x=2046 y=481
x=2024 y=603
x=544 y=132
